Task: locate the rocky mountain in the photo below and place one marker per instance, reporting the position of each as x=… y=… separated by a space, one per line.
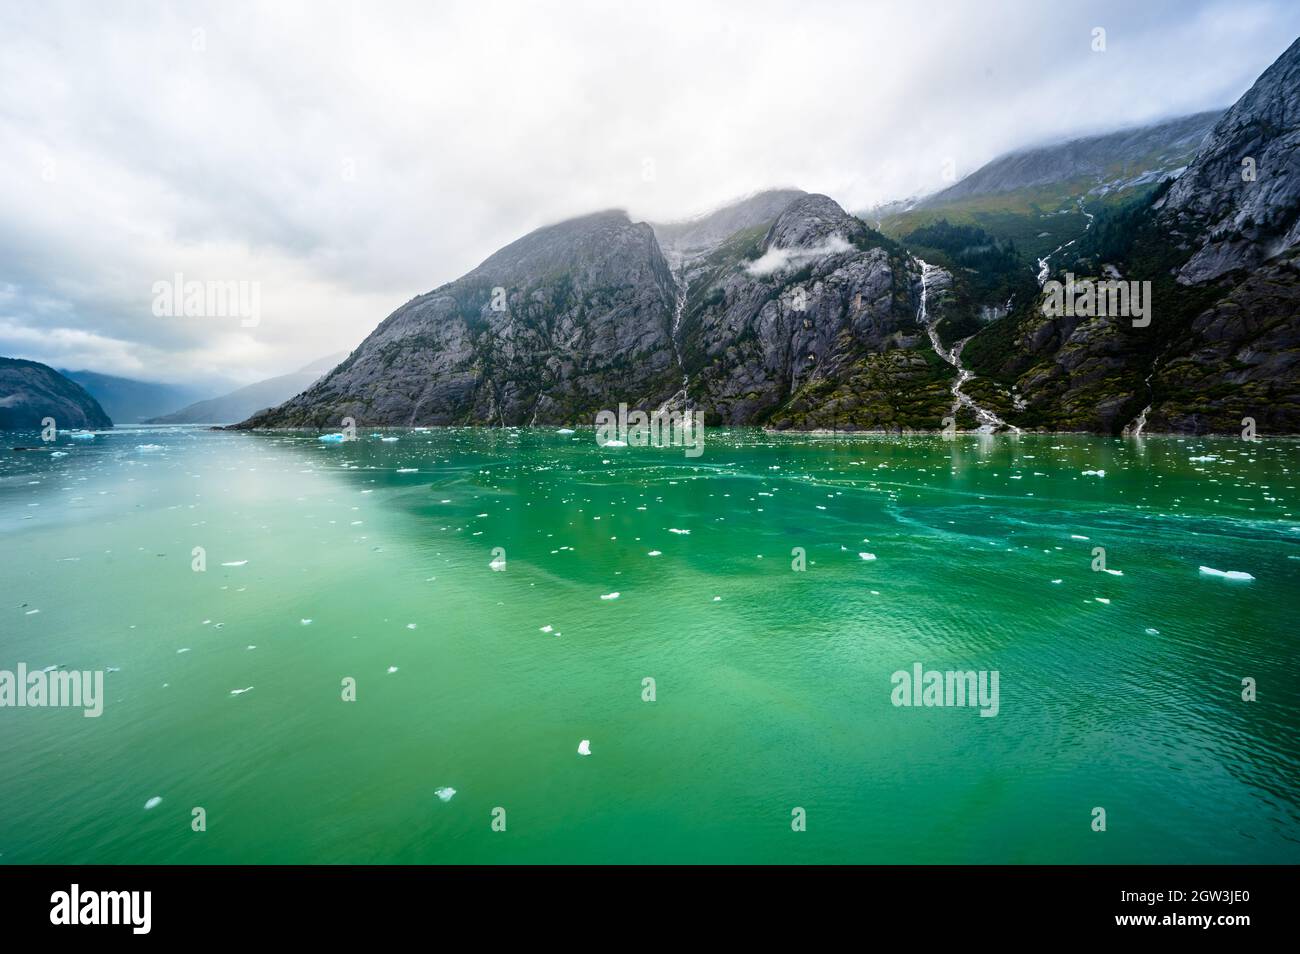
x=799 y=316
x=246 y=401
x=1039 y=197
x=1219 y=253
x=30 y=391
x=128 y=401
x=783 y=310
x=702 y=234
x=1107 y=163
x=1239 y=203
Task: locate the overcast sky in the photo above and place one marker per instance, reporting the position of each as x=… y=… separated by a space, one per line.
x=347 y=156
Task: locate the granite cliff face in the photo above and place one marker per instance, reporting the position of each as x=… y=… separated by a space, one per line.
x=31 y=391
x=1238 y=204
x=548 y=330
x=775 y=321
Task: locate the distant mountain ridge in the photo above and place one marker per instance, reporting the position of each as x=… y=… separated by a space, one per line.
x=248 y=400
x=128 y=401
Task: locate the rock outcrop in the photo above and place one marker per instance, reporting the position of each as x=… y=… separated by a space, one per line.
x=31 y=391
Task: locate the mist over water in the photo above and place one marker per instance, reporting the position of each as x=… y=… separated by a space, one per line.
x=371 y=560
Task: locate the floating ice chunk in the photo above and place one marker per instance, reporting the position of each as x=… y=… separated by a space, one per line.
x=31 y=612
x=305 y=622
x=1056 y=581
x=236 y=563
x=148 y=448
x=1152 y=631
x=445 y=793
x=153 y=802
x=1115 y=572
x=185 y=650
x=410 y=626
x=867 y=556
x=331 y=438
x=675 y=530
x=609 y=596
x=407 y=470
x=392 y=669
x=1077 y=536
x=655 y=553
x=1204 y=460
x=82 y=436
x=717 y=599
x=584 y=747
x=614 y=444
x=1094 y=473
x=498 y=564
x=252 y=647
x=240 y=692
x=565 y=430
x=1102 y=599
x=59 y=454
x=389 y=440
x=547 y=629
x=1226 y=574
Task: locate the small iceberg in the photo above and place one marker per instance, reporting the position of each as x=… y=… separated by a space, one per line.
x=331 y=438
x=82 y=436
x=148 y=448
x=445 y=793
x=565 y=430
x=584 y=747
x=240 y=692
x=683 y=532
x=407 y=470
x=236 y=563
x=654 y=553
x=392 y=669
x=1094 y=473
x=609 y=596
x=1226 y=574
x=389 y=440
x=305 y=622
x=867 y=556
x=547 y=629
x=153 y=802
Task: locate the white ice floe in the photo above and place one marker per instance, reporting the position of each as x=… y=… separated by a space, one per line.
x=331 y=438
x=392 y=669
x=445 y=793
x=153 y=802
x=148 y=448
x=1057 y=581
x=614 y=444
x=498 y=564
x=1114 y=572
x=584 y=747
x=565 y=430
x=1102 y=599
x=609 y=596
x=547 y=629
x=867 y=556
x=236 y=563
x=1152 y=631
x=305 y=622
x=655 y=553
x=410 y=626
x=240 y=692
x=389 y=440
x=1094 y=473
x=407 y=470
x=1077 y=536
x=675 y=530
x=1226 y=574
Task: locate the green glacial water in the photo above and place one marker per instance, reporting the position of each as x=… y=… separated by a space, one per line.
x=370 y=560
